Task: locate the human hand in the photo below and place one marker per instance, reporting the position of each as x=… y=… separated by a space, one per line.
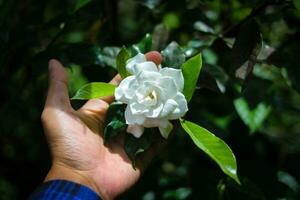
x=75 y=139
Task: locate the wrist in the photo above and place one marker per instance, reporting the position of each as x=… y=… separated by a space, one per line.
x=62 y=172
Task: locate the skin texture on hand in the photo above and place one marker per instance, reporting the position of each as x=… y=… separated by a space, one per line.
x=76 y=142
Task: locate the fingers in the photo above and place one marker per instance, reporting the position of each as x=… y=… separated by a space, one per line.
x=58 y=86
x=116 y=80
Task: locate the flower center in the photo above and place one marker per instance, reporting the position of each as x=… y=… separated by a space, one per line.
x=150 y=99
x=152 y=95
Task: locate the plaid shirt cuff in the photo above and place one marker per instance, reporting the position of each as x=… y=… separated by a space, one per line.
x=61 y=189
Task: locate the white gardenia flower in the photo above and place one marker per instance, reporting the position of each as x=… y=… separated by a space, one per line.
x=153 y=96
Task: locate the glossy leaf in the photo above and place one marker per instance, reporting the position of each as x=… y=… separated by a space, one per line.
x=115 y=120
x=173 y=56
x=135 y=146
x=201 y=26
x=213 y=146
x=94 y=90
x=143 y=46
x=287 y=56
x=191 y=70
x=252 y=118
x=108 y=55
x=122 y=58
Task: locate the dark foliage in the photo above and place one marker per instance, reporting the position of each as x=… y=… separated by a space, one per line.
x=248 y=92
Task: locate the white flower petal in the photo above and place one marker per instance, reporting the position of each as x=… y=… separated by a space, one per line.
x=133 y=119
x=182 y=107
x=148 y=76
x=130 y=66
x=137 y=109
x=176 y=75
x=155 y=112
x=125 y=91
x=152 y=122
x=169 y=107
x=153 y=95
x=165 y=128
x=141 y=92
x=135 y=130
x=145 y=66
x=168 y=86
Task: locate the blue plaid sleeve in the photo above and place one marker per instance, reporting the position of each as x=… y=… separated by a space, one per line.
x=61 y=189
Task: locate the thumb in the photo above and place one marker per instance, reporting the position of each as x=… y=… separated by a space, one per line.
x=58 y=86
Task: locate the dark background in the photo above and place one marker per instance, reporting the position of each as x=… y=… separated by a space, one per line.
x=261 y=68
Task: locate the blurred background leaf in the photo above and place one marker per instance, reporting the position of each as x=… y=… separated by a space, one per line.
x=259 y=38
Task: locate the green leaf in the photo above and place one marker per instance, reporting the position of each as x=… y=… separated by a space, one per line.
x=297 y=4
x=122 y=58
x=143 y=46
x=135 y=146
x=79 y=4
x=94 y=90
x=171 y=20
x=108 y=55
x=173 y=56
x=191 y=70
x=76 y=78
x=213 y=146
x=115 y=120
x=201 y=26
x=252 y=118
x=178 y=194
x=287 y=56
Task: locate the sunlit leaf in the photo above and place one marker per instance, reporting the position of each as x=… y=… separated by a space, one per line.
x=171 y=20
x=252 y=118
x=122 y=58
x=213 y=146
x=191 y=70
x=76 y=78
x=94 y=90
